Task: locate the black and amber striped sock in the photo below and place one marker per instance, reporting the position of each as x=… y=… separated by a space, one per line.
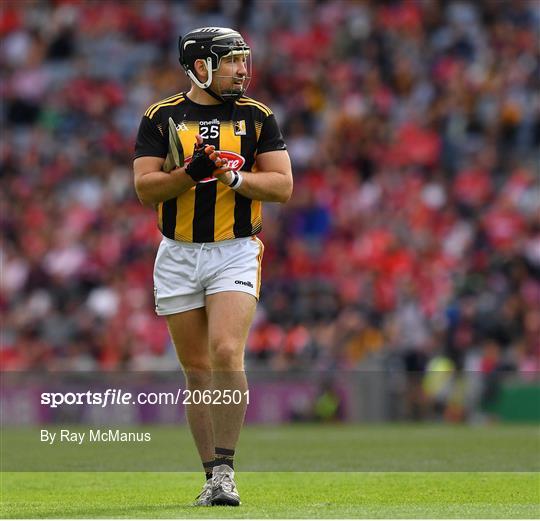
x=208 y=466
x=224 y=457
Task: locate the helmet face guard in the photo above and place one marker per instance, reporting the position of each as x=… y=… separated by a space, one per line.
x=212 y=44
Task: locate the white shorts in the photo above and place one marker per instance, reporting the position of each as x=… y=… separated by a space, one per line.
x=185 y=272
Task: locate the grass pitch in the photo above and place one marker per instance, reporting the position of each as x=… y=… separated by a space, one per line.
x=273 y=495
x=300 y=492
x=300 y=447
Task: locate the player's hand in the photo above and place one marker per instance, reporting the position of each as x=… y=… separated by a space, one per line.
x=205 y=161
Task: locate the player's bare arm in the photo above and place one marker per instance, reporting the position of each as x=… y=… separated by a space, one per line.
x=273 y=181
x=154 y=186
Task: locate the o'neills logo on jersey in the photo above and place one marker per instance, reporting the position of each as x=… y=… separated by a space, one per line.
x=234 y=161
x=214 y=121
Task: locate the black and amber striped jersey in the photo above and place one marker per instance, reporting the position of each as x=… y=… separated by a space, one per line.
x=210 y=211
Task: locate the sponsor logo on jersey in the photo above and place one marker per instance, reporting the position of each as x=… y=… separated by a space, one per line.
x=181 y=126
x=235 y=161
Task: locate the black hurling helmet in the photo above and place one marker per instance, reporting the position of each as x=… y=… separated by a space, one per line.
x=211 y=44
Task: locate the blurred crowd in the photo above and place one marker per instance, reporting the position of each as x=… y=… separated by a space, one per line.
x=413 y=234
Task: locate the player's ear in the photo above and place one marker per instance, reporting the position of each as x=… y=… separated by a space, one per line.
x=201 y=70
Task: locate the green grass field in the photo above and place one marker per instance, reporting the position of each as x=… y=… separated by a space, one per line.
x=508 y=485
x=273 y=495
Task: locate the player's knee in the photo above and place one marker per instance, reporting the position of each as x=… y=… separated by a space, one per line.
x=198 y=375
x=227 y=356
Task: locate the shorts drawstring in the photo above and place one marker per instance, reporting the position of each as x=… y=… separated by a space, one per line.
x=198 y=260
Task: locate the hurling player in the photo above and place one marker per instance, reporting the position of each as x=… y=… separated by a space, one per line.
x=207 y=273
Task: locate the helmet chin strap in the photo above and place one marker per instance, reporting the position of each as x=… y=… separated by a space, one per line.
x=233 y=95
x=213 y=94
x=222 y=97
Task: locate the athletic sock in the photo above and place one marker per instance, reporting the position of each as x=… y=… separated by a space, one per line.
x=224 y=457
x=208 y=466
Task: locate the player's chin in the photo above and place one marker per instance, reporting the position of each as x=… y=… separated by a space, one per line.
x=236 y=88
x=234 y=91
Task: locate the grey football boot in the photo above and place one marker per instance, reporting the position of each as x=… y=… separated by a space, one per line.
x=204 y=499
x=223 y=487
